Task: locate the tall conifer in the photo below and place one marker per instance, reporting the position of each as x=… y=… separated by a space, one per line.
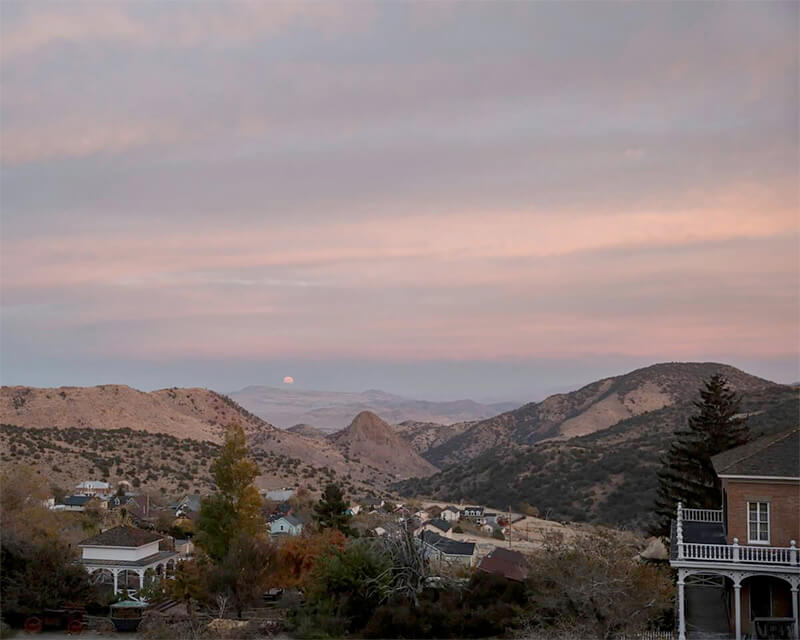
x=687 y=474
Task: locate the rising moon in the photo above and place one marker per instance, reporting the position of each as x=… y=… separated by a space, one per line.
x=288 y=380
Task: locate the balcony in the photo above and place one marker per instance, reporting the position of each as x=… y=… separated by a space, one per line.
x=698 y=536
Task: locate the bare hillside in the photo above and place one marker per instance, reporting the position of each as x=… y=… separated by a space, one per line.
x=196 y=414
x=370 y=439
x=595 y=407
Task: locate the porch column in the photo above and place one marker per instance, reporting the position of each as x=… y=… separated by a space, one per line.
x=796 y=624
x=681 y=610
x=737 y=603
x=141 y=579
x=115 y=573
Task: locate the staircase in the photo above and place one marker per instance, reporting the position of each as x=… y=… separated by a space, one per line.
x=706 y=613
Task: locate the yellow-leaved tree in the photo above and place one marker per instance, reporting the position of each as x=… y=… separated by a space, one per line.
x=235 y=508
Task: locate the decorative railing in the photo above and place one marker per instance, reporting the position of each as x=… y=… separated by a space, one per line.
x=756 y=554
x=702 y=515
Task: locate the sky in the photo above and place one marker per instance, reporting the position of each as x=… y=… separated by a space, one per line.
x=489 y=200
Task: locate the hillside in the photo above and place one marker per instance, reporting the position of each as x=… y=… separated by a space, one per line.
x=333 y=410
x=595 y=407
x=605 y=477
x=424 y=436
x=307 y=430
x=370 y=439
x=194 y=414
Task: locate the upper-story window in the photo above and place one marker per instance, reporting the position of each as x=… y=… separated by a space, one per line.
x=758 y=522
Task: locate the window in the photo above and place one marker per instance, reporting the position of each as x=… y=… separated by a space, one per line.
x=758 y=522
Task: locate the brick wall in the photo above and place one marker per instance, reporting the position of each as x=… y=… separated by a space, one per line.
x=784 y=508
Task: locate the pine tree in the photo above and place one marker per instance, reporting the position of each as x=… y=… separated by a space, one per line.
x=687 y=474
x=331 y=511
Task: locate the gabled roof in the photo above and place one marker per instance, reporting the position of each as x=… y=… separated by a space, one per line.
x=440 y=524
x=122 y=536
x=292 y=520
x=776 y=455
x=93 y=484
x=506 y=563
x=453 y=509
x=478 y=509
x=446 y=545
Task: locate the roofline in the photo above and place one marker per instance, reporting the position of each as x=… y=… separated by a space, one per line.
x=749 y=477
x=119 y=546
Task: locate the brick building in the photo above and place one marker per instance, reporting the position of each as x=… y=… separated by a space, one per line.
x=738 y=567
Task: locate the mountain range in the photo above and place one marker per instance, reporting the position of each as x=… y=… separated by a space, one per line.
x=330 y=411
x=93 y=414
x=591 y=454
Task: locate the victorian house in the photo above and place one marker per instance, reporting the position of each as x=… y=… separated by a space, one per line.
x=738 y=567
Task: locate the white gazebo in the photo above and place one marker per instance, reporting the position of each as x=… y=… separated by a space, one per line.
x=126 y=549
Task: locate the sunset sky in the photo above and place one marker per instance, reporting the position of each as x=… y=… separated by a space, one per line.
x=494 y=200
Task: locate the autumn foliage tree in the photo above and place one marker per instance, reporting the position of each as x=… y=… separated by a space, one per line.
x=235 y=508
x=298 y=555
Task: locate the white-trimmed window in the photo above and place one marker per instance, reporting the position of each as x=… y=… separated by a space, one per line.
x=758 y=522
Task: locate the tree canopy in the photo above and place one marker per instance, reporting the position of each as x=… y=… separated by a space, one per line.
x=687 y=473
x=331 y=511
x=235 y=508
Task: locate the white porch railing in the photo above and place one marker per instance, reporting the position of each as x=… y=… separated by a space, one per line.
x=755 y=554
x=702 y=515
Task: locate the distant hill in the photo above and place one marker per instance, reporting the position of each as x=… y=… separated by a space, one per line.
x=308 y=431
x=332 y=410
x=607 y=475
x=369 y=439
x=194 y=414
x=592 y=408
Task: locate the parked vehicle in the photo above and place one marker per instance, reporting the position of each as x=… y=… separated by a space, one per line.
x=71 y=617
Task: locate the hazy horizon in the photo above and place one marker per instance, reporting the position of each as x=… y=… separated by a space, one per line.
x=440 y=200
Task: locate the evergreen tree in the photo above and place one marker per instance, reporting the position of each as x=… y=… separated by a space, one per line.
x=331 y=511
x=236 y=506
x=687 y=474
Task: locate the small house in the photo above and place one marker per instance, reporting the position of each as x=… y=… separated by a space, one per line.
x=441 y=549
x=92 y=488
x=439 y=526
x=473 y=513
x=286 y=525
x=451 y=514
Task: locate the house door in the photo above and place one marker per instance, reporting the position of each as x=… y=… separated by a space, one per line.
x=760 y=597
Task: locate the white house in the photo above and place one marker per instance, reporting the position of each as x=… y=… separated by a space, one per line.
x=126 y=549
x=451 y=514
x=92 y=487
x=286 y=525
x=438 y=526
